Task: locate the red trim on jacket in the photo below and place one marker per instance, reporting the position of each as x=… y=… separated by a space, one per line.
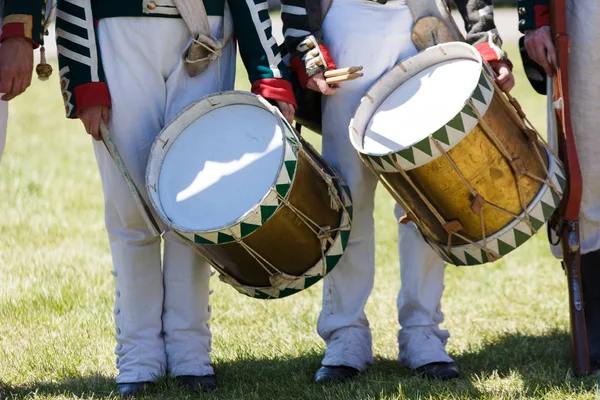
x=91 y=94
x=542 y=15
x=274 y=89
x=16 y=29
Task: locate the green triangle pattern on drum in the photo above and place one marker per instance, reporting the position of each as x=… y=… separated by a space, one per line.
x=247 y=229
x=548 y=210
x=562 y=182
x=478 y=95
x=311 y=280
x=266 y=212
x=201 y=240
x=283 y=189
x=484 y=257
x=456 y=260
x=520 y=237
x=536 y=223
x=483 y=82
x=290 y=166
x=350 y=209
x=331 y=261
x=425 y=146
x=224 y=238
x=469 y=111
x=407 y=154
x=471 y=260
x=345 y=234
x=388 y=159
x=555 y=196
x=377 y=161
x=442 y=136
x=504 y=248
x=457 y=123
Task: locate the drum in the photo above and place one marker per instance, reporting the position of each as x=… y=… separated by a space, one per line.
x=458 y=154
x=235 y=182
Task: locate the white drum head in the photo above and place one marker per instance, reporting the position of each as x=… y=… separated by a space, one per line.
x=220 y=167
x=416 y=98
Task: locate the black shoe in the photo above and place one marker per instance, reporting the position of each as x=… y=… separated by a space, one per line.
x=590 y=282
x=206 y=383
x=339 y=373
x=439 y=370
x=132 y=389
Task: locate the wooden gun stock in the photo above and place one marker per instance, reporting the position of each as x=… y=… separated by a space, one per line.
x=568 y=213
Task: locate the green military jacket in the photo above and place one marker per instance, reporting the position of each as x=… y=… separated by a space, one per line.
x=24 y=18
x=533 y=14
x=82 y=78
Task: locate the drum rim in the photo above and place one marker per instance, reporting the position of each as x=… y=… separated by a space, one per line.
x=367 y=107
x=172 y=130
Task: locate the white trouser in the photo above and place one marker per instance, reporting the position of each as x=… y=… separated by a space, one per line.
x=583 y=22
x=382 y=38
x=161 y=316
x=3 y=124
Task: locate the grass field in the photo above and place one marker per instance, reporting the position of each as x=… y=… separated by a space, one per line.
x=508 y=320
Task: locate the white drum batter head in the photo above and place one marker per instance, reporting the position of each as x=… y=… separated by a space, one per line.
x=415 y=99
x=215 y=162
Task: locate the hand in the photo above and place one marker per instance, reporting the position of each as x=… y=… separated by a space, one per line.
x=16 y=66
x=504 y=77
x=318 y=84
x=539 y=45
x=287 y=109
x=91 y=117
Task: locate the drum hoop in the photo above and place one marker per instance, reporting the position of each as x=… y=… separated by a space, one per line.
x=178 y=124
x=410 y=158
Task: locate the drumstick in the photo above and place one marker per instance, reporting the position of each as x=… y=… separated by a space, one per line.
x=111 y=147
x=342 y=71
x=343 y=78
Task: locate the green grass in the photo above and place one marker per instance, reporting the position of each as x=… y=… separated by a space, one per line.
x=509 y=320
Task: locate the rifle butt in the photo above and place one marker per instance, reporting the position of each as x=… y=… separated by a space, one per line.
x=572 y=256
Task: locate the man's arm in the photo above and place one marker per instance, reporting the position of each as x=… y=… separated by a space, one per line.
x=24 y=19
x=302 y=20
x=534 y=22
x=260 y=53
x=478 y=16
x=82 y=80
x=22 y=31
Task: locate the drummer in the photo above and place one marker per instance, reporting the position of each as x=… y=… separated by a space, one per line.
x=121 y=63
x=375 y=35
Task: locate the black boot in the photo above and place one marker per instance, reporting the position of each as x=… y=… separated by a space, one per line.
x=439 y=370
x=338 y=373
x=193 y=383
x=132 y=389
x=590 y=280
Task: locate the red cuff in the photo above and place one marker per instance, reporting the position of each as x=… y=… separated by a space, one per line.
x=16 y=29
x=487 y=52
x=328 y=59
x=274 y=89
x=91 y=94
x=542 y=15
